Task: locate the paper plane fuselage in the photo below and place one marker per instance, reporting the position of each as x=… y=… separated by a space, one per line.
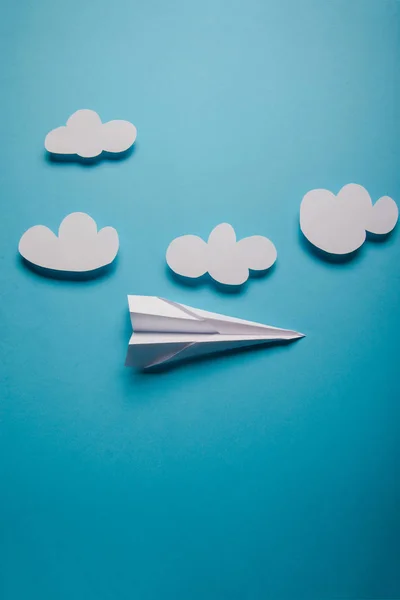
x=165 y=331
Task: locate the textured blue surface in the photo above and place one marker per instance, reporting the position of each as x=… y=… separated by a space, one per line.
x=269 y=474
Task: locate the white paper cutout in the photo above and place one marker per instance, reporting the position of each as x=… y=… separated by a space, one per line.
x=78 y=248
x=166 y=331
x=85 y=135
x=225 y=259
x=338 y=224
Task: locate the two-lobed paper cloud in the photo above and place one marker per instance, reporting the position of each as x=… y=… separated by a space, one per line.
x=225 y=259
x=338 y=224
x=85 y=135
x=79 y=247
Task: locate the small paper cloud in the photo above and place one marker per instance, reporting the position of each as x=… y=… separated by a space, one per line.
x=225 y=259
x=85 y=135
x=79 y=247
x=338 y=224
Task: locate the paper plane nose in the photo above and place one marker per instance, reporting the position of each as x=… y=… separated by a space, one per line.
x=297 y=335
x=288 y=334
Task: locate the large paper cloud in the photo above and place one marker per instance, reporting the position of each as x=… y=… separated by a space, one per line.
x=225 y=259
x=338 y=224
x=79 y=247
x=85 y=135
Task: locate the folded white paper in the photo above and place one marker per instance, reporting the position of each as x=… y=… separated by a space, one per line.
x=166 y=331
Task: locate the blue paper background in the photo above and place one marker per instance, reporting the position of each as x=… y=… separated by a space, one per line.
x=269 y=474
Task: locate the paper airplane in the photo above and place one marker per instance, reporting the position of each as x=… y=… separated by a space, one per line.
x=166 y=331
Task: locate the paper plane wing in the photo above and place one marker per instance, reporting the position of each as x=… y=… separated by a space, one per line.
x=166 y=331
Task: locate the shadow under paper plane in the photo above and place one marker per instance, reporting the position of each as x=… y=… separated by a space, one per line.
x=211 y=357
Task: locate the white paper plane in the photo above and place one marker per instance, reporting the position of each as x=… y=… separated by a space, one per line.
x=166 y=331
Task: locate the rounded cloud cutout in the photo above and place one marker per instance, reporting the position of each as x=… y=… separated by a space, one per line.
x=78 y=248
x=226 y=260
x=86 y=136
x=338 y=224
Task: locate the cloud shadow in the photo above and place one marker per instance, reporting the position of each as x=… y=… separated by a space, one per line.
x=326 y=256
x=52 y=158
x=381 y=239
x=344 y=258
x=100 y=273
x=207 y=280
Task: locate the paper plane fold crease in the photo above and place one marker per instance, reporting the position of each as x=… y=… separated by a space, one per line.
x=165 y=331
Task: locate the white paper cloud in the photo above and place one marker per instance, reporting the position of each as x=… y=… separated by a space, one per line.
x=338 y=224
x=79 y=247
x=225 y=259
x=85 y=135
